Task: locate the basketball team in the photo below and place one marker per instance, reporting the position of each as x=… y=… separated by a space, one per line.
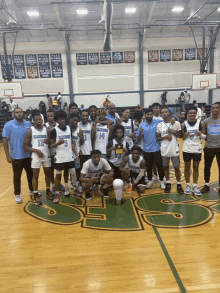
x=97 y=149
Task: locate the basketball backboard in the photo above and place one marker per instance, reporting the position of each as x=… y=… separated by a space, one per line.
x=10 y=89
x=204 y=81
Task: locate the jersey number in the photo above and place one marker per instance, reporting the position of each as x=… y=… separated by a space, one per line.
x=40 y=143
x=102 y=136
x=85 y=137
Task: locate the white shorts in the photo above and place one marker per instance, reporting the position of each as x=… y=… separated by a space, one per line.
x=37 y=164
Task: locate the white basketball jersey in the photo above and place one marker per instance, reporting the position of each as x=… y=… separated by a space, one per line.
x=116 y=160
x=86 y=148
x=101 y=141
x=76 y=139
x=37 y=141
x=64 y=152
x=192 y=144
x=51 y=150
x=169 y=148
x=95 y=171
x=128 y=130
x=135 y=127
x=135 y=167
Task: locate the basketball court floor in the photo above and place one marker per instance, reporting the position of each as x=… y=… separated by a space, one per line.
x=155 y=242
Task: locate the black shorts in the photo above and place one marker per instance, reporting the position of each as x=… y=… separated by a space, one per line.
x=117 y=172
x=63 y=166
x=133 y=176
x=52 y=161
x=187 y=157
x=84 y=158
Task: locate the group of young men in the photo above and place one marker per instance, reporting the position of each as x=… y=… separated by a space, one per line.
x=97 y=147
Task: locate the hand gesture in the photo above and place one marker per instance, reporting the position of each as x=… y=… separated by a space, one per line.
x=170 y=130
x=10 y=159
x=141 y=130
x=113 y=148
x=94 y=179
x=127 y=171
x=169 y=137
x=60 y=141
x=46 y=141
x=187 y=134
x=77 y=159
x=198 y=133
x=80 y=134
x=125 y=150
x=40 y=154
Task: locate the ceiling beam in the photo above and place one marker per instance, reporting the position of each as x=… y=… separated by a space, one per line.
x=61 y=26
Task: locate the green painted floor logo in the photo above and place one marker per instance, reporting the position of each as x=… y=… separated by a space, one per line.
x=159 y=210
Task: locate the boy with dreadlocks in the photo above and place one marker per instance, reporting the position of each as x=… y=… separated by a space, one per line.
x=103 y=132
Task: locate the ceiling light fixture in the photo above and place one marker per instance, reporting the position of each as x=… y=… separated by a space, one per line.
x=178 y=9
x=130 y=10
x=33 y=13
x=82 y=11
x=218 y=9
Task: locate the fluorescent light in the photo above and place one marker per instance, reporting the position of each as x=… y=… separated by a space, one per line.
x=177 y=9
x=82 y=11
x=218 y=9
x=130 y=10
x=33 y=13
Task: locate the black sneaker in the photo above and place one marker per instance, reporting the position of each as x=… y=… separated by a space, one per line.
x=180 y=189
x=205 y=189
x=168 y=188
x=104 y=192
x=37 y=199
x=88 y=196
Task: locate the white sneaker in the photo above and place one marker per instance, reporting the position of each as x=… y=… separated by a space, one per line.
x=18 y=199
x=154 y=178
x=162 y=185
x=31 y=192
x=149 y=184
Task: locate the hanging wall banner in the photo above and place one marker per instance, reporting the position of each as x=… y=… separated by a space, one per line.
x=3 y=60
x=18 y=60
x=20 y=72
x=164 y=55
x=31 y=59
x=199 y=53
x=177 y=54
x=93 y=58
x=57 y=71
x=45 y=72
x=56 y=59
x=32 y=72
x=43 y=60
x=129 y=56
x=153 y=56
x=105 y=58
x=81 y=58
x=190 y=54
x=117 y=57
x=4 y=75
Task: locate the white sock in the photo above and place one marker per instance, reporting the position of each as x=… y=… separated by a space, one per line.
x=66 y=186
x=53 y=184
x=178 y=183
x=188 y=184
x=35 y=191
x=194 y=185
x=168 y=181
x=207 y=183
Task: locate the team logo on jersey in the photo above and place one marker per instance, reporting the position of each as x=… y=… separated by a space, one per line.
x=155 y=209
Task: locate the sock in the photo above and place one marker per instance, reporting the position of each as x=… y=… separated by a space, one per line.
x=66 y=186
x=194 y=185
x=168 y=181
x=188 y=184
x=53 y=184
x=207 y=183
x=178 y=183
x=35 y=191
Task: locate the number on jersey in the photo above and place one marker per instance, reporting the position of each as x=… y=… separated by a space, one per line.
x=102 y=136
x=65 y=143
x=40 y=142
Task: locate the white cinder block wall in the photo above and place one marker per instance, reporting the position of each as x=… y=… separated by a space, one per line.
x=120 y=77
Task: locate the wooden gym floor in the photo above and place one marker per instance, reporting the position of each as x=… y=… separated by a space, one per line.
x=155 y=243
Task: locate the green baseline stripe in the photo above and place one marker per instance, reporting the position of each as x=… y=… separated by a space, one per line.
x=174 y=271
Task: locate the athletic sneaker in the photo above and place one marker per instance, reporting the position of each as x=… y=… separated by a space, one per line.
x=61 y=187
x=168 y=188
x=162 y=185
x=149 y=184
x=129 y=189
x=205 y=189
x=155 y=177
x=37 y=200
x=67 y=193
x=180 y=189
x=56 y=199
x=54 y=190
x=18 y=199
x=79 y=188
x=188 y=190
x=49 y=194
x=88 y=196
x=195 y=191
x=104 y=191
x=31 y=192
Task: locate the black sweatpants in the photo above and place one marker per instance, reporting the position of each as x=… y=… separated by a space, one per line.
x=18 y=166
x=150 y=158
x=209 y=155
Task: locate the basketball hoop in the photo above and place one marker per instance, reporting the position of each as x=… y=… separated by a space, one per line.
x=206 y=89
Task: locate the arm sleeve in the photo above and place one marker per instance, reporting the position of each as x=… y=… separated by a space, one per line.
x=110 y=144
x=106 y=165
x=53 y=134
x=159 y=128
x=85 y=168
